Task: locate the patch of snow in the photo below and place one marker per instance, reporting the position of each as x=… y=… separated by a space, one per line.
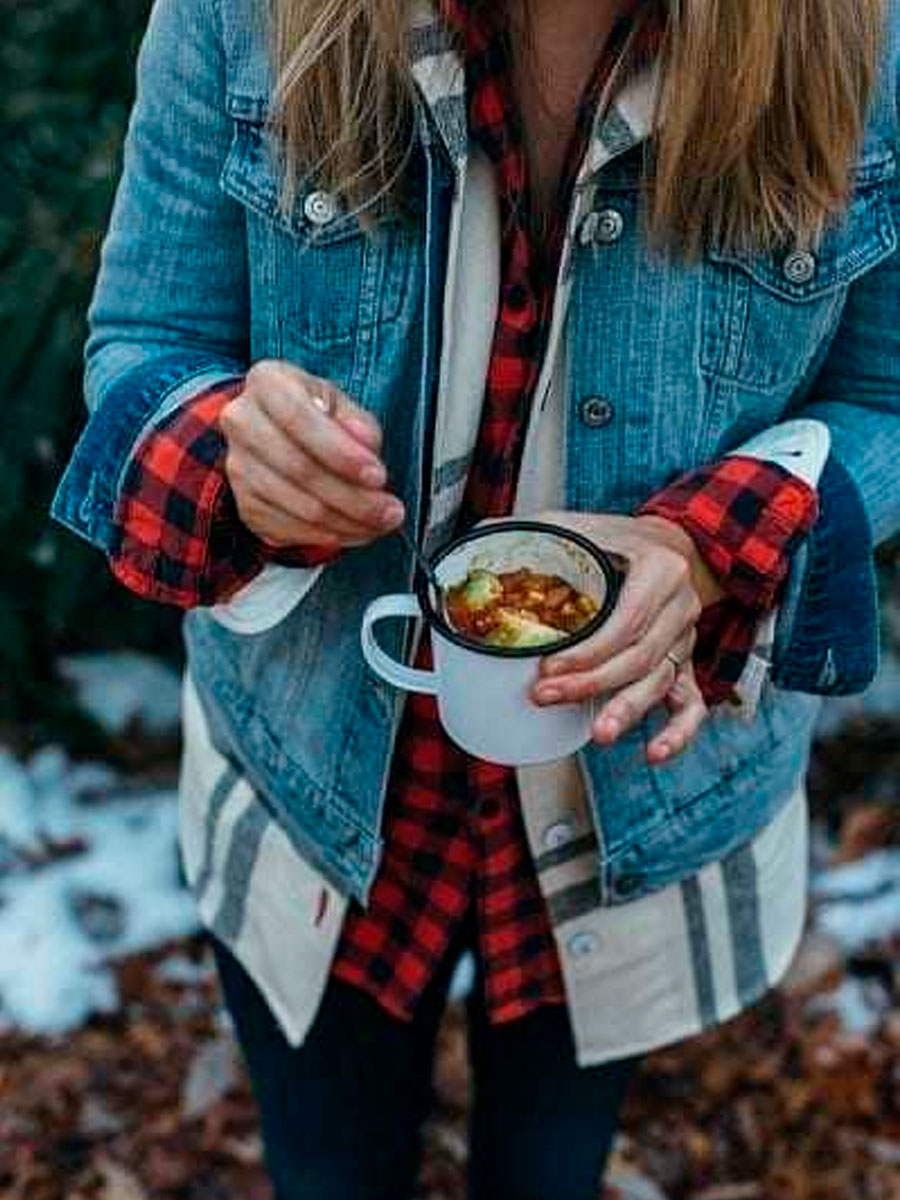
x=17 y=809
x=212 y=1073
x=859 y=1003
x=117 y=689
x=54 y=965
x=859 y=903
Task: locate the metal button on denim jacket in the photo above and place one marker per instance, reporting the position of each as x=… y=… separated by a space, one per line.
x=203 y=273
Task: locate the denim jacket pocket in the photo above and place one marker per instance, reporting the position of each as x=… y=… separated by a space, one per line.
x=719 y=798
x=320 y=278
x=765 y=316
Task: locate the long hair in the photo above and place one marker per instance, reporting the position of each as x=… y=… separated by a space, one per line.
x=761 y=110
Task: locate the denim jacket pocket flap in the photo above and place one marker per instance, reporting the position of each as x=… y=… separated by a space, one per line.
x=250 y=175
x=853 y=243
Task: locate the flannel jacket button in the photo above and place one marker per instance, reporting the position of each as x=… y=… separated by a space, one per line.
x=596 y=411
x=799 y=266
x=581 y=945
x=320 y=208
x=558 y=834
x=610 y=226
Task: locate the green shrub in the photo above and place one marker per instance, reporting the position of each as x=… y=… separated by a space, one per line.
x=66 y=74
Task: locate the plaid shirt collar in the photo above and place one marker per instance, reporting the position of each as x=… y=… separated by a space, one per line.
x=441 y=38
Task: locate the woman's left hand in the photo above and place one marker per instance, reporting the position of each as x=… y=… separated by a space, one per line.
x=641 y=657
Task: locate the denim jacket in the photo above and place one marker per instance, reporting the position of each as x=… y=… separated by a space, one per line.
x=668 y=366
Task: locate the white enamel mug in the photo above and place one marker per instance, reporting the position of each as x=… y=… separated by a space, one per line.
x=483 y=691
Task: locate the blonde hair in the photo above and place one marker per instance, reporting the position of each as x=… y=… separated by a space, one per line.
x=762 y=109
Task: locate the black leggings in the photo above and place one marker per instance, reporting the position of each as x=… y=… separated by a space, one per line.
x=341 y=1114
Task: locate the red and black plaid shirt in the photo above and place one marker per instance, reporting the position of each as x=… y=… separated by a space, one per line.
x=453 y=830
x=454 y=834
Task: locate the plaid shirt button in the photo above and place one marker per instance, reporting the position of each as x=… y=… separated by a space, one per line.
x=596 y=411
x=558 y=834
x=583 y=944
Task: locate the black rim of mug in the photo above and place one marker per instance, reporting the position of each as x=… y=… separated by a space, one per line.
x=614 y=579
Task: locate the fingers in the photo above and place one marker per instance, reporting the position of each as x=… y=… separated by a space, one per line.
x=358 y=421
x=262 y=497
x=310 y=427
x=301 y=488
x=302 y=461
x=655 y=581
x=689 y=711
x=631 y=704
x=283 y=532
x=299 y=408
x=672 y=626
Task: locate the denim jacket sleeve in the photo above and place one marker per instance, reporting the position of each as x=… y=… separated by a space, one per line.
x=168 y=317
x=826 y=638
x=826 y=634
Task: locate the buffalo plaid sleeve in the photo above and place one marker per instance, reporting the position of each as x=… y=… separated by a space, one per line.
x=746 y=517
x=178 y=536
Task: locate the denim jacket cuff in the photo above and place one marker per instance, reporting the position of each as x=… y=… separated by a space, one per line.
x=85 y=500
x=826 y=635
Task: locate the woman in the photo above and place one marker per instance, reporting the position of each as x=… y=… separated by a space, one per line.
x=631 y=266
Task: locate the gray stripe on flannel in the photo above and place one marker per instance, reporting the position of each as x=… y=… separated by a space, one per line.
x=741 y=879
x=246 y=836
x=450 y=117
x=701 y=960
x=438 y=70
x=565 y=853
x=218 y=798
x=452 y=472
x=440 y=534
x=572 y=902
x=615 y=134
x=429 y=41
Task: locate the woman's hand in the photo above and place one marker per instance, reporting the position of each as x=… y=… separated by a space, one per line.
x=303 y=462
x=641 y=657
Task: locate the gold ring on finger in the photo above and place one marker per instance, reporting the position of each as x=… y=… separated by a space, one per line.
x=676 y=662
x=326 y=404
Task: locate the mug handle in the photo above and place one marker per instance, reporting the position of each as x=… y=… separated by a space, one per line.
x=408 y=679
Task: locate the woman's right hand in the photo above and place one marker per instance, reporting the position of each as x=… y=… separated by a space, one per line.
x=303 y=462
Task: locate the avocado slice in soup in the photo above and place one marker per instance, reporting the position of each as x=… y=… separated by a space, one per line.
x=519 y=631
x=481 y=589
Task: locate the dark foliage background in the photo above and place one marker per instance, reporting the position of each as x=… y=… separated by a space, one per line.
x=66 y=77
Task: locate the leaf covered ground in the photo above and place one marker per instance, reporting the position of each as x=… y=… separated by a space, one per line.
x=151 y=1102
x=798 y=1099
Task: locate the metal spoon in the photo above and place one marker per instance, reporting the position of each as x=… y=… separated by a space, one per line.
x=422 y=562
x=326 y=404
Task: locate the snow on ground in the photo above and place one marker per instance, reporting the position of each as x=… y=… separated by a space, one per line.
x=861 y=1005
x=82 y=880
x=122 y=688
x=858 y=903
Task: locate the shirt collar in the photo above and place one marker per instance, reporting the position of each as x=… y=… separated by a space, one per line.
x=438 y=67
